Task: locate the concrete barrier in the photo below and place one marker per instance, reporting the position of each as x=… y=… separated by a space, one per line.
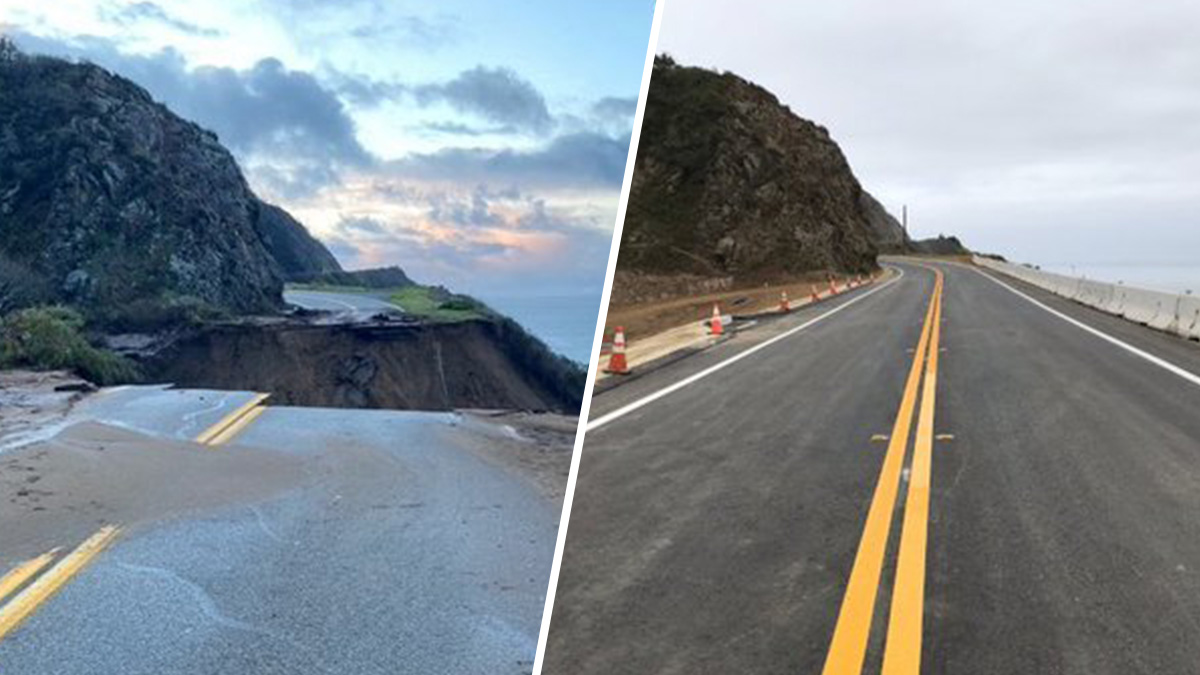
x=1174 y=313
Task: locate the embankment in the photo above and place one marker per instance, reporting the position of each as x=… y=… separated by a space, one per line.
x=488 y=363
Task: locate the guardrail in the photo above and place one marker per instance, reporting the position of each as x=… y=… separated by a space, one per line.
x=1178 y=314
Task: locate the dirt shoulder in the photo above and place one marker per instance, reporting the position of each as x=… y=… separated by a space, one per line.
x=536 y=445
x=648 y=318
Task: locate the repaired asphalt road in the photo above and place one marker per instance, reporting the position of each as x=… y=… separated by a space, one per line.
x=715 y=529
x=401 y=549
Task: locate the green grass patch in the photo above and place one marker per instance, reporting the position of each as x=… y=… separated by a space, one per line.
x=436 y=304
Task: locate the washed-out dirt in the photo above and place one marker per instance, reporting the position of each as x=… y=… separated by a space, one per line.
x=471 y=364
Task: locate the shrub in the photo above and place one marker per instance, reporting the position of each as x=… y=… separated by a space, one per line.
x=51 y=338
x=460 y=303
x=157 y=313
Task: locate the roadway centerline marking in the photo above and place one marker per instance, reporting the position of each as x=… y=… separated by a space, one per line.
x=211 y=435
x=238 y=426
x=1161 y=363
x=27 y=601
x=848 y=648
x=23 y=572
x=902 y=650
x=696 y=377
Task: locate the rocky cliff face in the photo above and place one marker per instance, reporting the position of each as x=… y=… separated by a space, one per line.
x=110 y=199
x=729 y=182
x=298 y=254
x=887 y=232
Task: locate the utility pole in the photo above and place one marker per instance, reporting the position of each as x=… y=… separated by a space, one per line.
x=904 y=220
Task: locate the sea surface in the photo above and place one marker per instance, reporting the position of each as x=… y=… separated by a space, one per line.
x=565 y=322
x=1168 y=277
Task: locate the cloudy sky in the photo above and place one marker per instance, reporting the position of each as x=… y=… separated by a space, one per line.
x=1060 y=133
x=476 y=144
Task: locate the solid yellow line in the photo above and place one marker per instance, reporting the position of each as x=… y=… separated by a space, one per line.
x=27 y=601
x=212 y=432
x=902 y=651
x=848 y=647
x=237 y=427
x=21 y=573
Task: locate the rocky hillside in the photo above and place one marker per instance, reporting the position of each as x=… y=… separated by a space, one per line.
x=887 y=232
x=110 y=201
x=730 y=182
x=298 y=254
x=939 y=245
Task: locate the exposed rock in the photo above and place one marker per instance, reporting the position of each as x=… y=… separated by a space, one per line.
x=729 y=182
x=940 y=245
x=379 y=277
x=887 y=232
x=298 y=254
x=112 y=198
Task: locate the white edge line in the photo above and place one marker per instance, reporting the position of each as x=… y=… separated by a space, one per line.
x=625 y=410
x=1161 y=363
x=618 y=225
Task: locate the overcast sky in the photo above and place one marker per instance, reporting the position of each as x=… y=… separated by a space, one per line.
x=476 y=144
x=1064 y=132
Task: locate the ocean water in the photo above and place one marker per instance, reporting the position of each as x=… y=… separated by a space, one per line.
x=1167 y=277
x=565 y=322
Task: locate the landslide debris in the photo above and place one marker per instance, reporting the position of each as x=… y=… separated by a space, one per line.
x=488 y=362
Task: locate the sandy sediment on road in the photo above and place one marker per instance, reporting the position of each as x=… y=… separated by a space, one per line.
x=59 y=491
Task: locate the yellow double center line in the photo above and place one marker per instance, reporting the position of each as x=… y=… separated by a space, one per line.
x=25 y=603
x=232 y=424
x=38 y=589
x=902 y=654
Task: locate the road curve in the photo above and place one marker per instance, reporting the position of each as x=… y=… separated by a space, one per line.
x=358 y=303
x=715 y=529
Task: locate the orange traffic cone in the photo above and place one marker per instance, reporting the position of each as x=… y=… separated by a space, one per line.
x=832 y=286
x=715 y=326
x=616 y=361
x=784 y=305
x=815 y=296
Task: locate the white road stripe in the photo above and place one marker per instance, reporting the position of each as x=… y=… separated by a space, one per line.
x=692 y=379
x=1161 y=363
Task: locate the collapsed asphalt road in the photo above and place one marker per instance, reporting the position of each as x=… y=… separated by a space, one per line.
x=298 y=540
x=718 y=528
